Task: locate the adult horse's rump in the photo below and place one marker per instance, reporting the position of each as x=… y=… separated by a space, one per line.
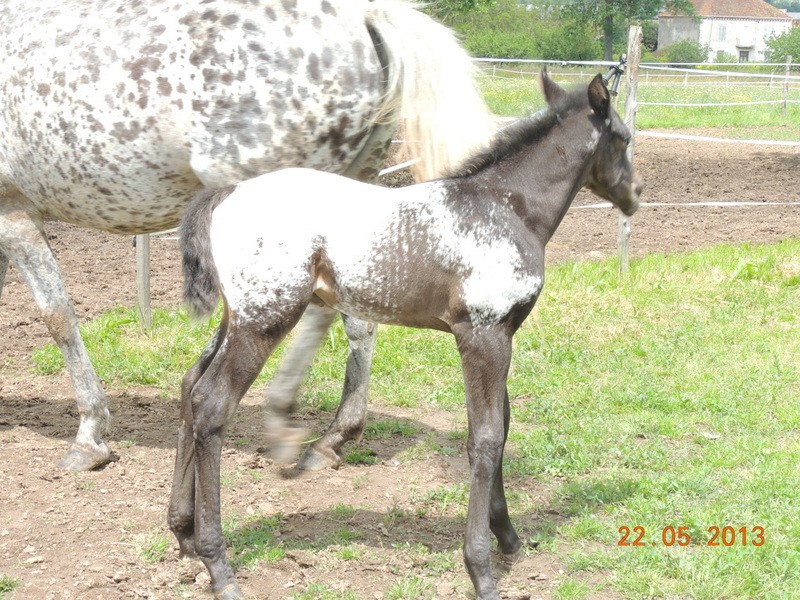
x=113 y=112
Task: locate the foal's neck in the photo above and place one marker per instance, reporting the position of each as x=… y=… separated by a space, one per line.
x=541 y=179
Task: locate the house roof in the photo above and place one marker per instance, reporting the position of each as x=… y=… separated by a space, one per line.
x=748 y=9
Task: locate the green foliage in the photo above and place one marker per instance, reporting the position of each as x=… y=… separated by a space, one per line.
x=685 y=51
x=320 y=591
x=410 y=587
x=788 y=5
x=127 y=355
x=516 y=94
x=253 y=540
x=509 y=30
x=449 y=9
x=611 y=19
x=668 y=397
x=361 y=456
x=650 y=35
x=386 y=428
x=151 y=547
x=724 y=57
x=781 y=46
x=7 y=585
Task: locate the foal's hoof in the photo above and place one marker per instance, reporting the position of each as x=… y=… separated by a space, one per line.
x=81 y=457
x=229 y=592
x=316 y=459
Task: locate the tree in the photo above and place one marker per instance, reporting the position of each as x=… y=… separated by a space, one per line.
x=448 y=9
x=686 y=52
x=613 y=17
x=786 y=44
x=508 y=29
x=788 y=5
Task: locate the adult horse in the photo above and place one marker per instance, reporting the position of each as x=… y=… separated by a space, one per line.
x=463 y=254
x=114 y=112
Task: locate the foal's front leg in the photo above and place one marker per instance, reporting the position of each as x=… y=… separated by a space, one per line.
x=500 y=523
x=485 y=357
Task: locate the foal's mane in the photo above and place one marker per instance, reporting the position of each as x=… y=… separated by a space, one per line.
x=523 y=132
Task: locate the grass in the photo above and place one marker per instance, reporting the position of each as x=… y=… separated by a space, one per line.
x=151 y=547
x=7 y=585
x=518 y=95
x=667 y=398
x=318 y=591
x=253 y=540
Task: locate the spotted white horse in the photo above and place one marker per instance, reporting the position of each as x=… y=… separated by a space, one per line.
x=114 y=112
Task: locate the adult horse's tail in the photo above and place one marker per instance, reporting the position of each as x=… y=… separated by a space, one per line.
x=200 y=279
x=431 y=86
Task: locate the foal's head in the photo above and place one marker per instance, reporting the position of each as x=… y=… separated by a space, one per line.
x=611 y=175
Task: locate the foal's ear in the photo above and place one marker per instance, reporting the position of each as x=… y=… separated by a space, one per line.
x=599 y=98
x=550 y=89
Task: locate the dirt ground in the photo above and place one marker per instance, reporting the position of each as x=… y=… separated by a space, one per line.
x=76 y=536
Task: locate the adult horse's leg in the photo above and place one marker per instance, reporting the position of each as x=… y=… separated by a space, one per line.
x=180 y=516
x=352 y=414
x=23 y=241
x=486 y=356
x=214 y=399
x=3 y=269
x=283 y=436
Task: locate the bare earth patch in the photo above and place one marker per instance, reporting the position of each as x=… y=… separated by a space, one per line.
x=80 y=536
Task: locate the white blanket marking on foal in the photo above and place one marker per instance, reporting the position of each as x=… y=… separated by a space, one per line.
x=266 y=234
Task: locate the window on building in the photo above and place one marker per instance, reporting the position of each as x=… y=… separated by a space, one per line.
x=744 y=56
x=721 y=33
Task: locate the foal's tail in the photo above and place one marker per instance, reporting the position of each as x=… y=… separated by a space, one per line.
x=432 y=87
x=200 y=279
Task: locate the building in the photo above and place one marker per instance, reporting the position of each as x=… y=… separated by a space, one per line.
x=739 y=28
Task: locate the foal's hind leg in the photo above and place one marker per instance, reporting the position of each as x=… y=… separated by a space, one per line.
x=214 y=399
x=23 y=242
x=182 y=498
x=352 y=414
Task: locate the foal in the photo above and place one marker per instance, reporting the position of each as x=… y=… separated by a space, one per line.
x=463 y=254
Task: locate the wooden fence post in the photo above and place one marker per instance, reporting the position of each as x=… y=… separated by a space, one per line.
x=786 y=84
x=631 y=81
x=143 y=281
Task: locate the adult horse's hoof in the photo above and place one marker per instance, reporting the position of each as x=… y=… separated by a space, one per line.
x=229 y=592
x=316 y=459
x=81 y=457
x=285 y=440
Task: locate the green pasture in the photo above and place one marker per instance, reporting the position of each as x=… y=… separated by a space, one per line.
x=667 y=398
x=514 y=92
x=666 y=401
